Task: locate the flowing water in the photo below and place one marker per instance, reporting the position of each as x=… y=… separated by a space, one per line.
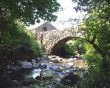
x=47 y=73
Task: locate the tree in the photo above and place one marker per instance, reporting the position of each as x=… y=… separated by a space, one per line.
x=27 y=11
x=97 y=28
x=17 y=44
x=97 y=31
x=97 y=25
x=88 y=5
x=12 y=37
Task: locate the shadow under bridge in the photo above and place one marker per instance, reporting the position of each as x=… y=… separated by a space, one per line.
x=59 y=47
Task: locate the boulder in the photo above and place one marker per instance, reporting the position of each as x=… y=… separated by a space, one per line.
x=56 y=68
x=13 y=68
x=68 y=66
x=70 y=80
x=54 y=60
x=43 y=65
x=25 y=64
x=36 y=73
x=60 y=75
x=38 y=59
x=35 y=65
x=33 y=61
x=46 y=73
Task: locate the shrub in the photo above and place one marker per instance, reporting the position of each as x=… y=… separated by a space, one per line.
x=16 y=43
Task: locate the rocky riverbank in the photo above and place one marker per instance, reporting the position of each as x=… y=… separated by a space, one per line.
x=45 y=72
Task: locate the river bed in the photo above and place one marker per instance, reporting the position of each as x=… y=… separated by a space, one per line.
x=45 y=72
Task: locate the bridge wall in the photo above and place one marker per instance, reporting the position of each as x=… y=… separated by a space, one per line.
x=55 y=39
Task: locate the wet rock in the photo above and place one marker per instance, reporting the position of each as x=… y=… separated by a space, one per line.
x=56 y=68
x=38 y=59
x=74 y=59
x=33 y=61
x=11 y=68
x=25 y=64
x=60 y=75
x=70 y=79
x=54 y=60
x=58 y=79
x=36 y=73
x=70 y=60
x=46 y=73
x=68 y=66
x=45 y=57
x=35 y=64
x=43 y=66
x=66 y=72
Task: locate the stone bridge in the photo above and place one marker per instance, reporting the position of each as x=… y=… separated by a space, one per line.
x=53 y=41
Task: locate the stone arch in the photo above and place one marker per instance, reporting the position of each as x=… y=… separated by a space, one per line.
x=58 y=48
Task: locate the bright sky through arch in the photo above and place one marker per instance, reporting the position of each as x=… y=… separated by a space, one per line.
x=63 y=16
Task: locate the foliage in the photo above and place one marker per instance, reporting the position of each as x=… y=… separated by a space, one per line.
x=28 y=11
x=17 y=44
x=97 y=31
x=74 y=47
x=13 y=39
x=88 y=5
x=95 y=77
x=97 y=25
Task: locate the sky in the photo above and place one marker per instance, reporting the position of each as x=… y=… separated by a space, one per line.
x=63 y=16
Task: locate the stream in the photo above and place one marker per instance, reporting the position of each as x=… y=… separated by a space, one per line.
x=46 y=72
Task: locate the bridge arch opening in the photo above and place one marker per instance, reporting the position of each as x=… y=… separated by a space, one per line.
x=59 y=48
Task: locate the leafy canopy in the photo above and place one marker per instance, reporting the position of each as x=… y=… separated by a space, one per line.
x=97 y=31
x=28 y=11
